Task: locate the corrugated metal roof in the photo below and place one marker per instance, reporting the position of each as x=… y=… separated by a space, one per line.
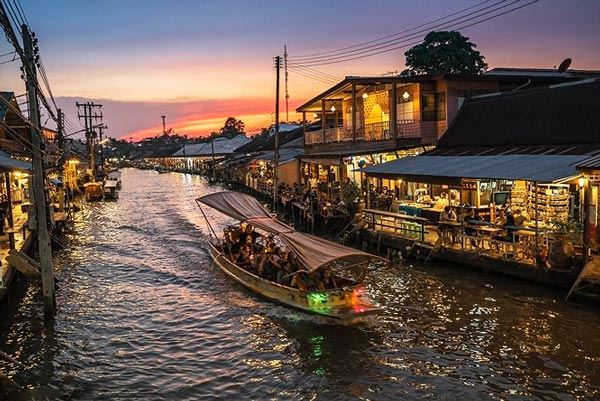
x=8 y=163
x=592 y=163
x=559 y=115
x=285 y=155
x=222 y=146
x=540 y=168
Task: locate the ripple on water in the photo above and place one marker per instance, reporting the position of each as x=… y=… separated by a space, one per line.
x=145 y=315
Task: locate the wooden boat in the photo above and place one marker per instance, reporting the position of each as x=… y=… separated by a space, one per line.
x=93 y=191
x=110 y=190
x=115 y=175
x=348 y=303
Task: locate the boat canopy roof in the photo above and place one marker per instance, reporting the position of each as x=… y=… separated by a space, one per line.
x=313 y=252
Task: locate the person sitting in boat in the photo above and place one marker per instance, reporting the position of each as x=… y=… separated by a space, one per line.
x=298 y=281
x=246 y=257
x=270 y=265
x=232 y=238
x=328 y=281
x=285 y=267
x=249 y=232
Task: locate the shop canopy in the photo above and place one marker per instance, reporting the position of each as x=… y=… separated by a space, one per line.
x=527 y=167
x=312 y=252
x=8 y=163
x=285 y=155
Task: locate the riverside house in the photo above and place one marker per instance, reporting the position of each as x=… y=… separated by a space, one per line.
x=372 y=120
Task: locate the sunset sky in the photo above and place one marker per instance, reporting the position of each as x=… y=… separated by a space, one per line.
x=199 y=62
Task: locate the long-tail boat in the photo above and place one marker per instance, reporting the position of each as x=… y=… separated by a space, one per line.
x=347 y=303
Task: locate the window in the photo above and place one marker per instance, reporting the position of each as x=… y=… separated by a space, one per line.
x=433 y=106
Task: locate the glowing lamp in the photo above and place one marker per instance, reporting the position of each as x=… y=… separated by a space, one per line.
x=365 y=95
x=332 y=109
x=405 y=96
x=581 y=182
x=315 y=115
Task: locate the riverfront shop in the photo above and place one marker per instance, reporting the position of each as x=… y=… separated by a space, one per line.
x=502 y=184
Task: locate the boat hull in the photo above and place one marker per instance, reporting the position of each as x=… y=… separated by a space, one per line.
x=341 y=305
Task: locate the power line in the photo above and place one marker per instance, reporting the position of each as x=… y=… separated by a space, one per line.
x=412 y=36
x=309 y=75
x=385 y=49
x=388 y=36
x=318 y=72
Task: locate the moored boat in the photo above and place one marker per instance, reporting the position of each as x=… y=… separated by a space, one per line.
x=93 y=191
x=347 y=302
x=110 y=190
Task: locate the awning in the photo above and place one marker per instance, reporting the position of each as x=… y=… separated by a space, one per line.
x=285 y=155
x=8 y=163
x=539 y=168
x=311 y=251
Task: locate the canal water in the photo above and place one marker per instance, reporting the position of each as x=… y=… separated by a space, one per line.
x=143 y=315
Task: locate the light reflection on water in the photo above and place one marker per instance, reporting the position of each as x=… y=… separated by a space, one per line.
x=145 y=315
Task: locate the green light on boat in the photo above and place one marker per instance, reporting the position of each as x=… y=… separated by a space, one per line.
x=316 y=298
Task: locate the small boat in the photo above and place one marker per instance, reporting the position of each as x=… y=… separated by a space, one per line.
x=93 y=191
x=347 y=303
x=110 y=190
x=115 y=175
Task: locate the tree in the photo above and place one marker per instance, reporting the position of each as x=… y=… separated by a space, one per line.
x=445 y=52
x=232 y=128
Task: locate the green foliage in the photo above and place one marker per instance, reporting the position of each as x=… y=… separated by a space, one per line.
x=350 y=192
x=232 y=128
x=445 y=52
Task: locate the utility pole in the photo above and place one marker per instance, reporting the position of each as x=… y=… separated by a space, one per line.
x=212 y=147
x=60 y=136
x=100 y=128
x=276 y=151
x=39 y=192
x=287 y=95
x=90 y=115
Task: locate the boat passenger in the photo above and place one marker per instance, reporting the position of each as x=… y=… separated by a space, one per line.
x=249 y=231
x=298 y=282
x=328 y=279
x=269 y=265
x=313 y=281
x=246 y=256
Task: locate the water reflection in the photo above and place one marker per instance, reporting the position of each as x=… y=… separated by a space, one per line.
x=144 y=314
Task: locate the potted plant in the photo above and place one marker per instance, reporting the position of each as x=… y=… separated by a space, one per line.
x=351 y=196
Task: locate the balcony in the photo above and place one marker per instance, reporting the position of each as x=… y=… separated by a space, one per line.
x=369 y=132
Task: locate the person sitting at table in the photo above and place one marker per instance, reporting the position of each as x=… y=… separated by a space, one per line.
x=509 y=225
x=339 y=207
x=306 y=197
x=520 y=218
x=471 y=217
x=500 y=218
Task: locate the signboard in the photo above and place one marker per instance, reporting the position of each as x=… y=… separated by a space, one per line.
x=469 y=185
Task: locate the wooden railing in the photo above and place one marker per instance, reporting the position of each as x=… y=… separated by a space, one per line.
x=380 y=131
